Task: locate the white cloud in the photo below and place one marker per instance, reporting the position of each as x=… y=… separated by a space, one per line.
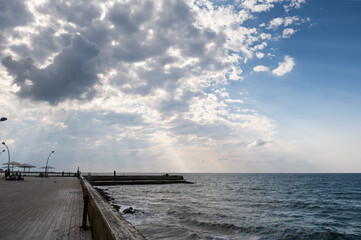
x=287 y=32
x=265 y=36
x=260 y=68
x=150 y=81
x=294 y=4
x=290 y=20
x=257 y=143
x=256 y=6
x=284 y=67
x=222 y=92
x=234 y=101
x=260 y=46
x=277 y=22
x=259 y=55
x=235 y=74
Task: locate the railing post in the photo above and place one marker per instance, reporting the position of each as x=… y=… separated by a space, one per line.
x=85 y=210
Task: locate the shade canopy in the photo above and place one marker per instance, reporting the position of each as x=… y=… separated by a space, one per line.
x=49 y=167
x=25 y=165
x=12 y=163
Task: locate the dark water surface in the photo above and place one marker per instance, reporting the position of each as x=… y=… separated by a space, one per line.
x=247 y=206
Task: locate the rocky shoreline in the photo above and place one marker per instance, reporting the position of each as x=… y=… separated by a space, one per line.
x=109 y=198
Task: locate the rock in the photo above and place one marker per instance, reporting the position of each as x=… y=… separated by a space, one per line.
x=130 y=210
x=117 y=207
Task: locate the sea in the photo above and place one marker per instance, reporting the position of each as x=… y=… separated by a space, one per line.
x=246 y=206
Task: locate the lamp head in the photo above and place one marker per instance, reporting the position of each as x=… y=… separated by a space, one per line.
x=3 y=119
x=52 y=151
x=3 y=143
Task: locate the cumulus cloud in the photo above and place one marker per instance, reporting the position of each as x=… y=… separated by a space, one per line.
x=260 y=68
x=287 y=32
x=258 y=6
x=257 y=143
x=275 y=23
x=148 y=46
x=80 y=12
x=71 y=75
x=260 y=46
x=265 y=36
x=156 y=78
x=294 y=4
x=234 y=101
x=14 y=13
x=287 y=21
x=284 y=67
x=259 y=55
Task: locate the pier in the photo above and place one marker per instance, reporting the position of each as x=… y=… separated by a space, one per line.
x=136 y=179
x=42 y=208
x=52 y=208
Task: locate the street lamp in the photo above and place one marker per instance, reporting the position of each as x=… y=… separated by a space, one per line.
x=3 y=119
x=46 y=166
x=8 y=157
x=2 y=151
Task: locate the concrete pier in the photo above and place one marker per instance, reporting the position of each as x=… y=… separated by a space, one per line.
x=106 y=221
x=136 y=180
x=42 y=208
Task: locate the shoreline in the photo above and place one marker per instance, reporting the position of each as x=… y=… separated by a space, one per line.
x=108 y=198
x=106 y=221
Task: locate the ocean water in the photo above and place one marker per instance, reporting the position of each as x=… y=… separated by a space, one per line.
x=246 y=206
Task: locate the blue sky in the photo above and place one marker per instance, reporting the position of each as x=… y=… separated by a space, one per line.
x=182 y=86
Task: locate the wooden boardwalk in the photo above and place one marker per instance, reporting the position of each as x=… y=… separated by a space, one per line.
x=41 y=208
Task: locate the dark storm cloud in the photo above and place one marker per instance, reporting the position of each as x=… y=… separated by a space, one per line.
x=128 y=33
x=98 y=33
x=173 y=27
x=71 y=76
x=13 y=13
x=146 y=33
x=181 y=104
x=128 y=17
x=43 y=44
x=81 y=13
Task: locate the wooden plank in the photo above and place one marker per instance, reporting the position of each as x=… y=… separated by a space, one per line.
x=41 y=208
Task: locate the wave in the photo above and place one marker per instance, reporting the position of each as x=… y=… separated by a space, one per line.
x=328 y=235
x=221 y=228
x=264 y=207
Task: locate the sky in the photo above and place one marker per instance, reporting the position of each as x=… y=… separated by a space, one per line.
x=182 y=86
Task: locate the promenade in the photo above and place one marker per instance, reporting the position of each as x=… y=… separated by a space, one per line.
x=41 y=208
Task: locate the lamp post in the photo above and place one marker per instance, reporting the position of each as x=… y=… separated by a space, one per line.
x=46 y=166
x=8 y=157
x=3 y=119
